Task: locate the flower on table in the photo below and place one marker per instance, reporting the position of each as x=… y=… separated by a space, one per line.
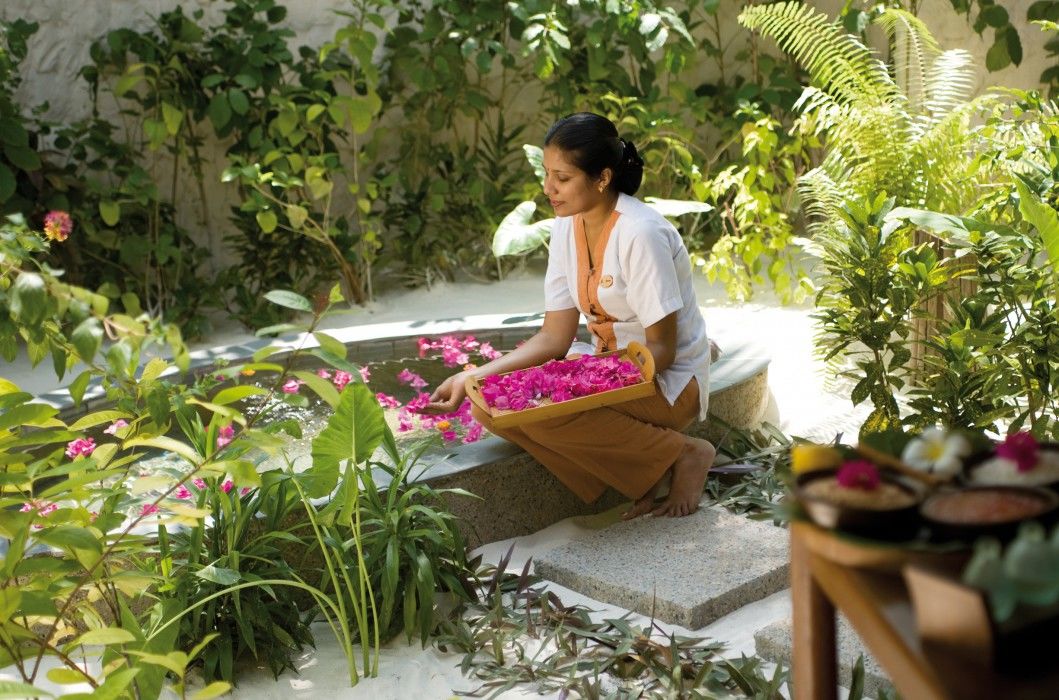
x=858 y=474
x=114 y=427
x=1021 y=448
x=81 y=447
x=291 y=386
x=937 y=451
x=225 y=435
x=58 y=225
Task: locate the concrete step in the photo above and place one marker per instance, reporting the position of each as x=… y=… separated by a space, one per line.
x=773 y=643
x=688 y=571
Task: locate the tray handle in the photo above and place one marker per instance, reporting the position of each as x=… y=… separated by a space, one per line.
x=642 y=356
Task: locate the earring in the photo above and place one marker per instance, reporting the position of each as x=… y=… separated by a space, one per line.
x=601 y=188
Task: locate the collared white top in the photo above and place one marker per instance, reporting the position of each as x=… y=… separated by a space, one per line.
x=649 y=272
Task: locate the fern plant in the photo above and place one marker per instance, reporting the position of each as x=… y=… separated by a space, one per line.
x=900 y=129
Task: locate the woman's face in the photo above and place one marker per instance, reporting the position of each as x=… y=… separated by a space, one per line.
x=569 y=189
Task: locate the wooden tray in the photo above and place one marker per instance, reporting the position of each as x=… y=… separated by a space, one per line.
x=636 y=353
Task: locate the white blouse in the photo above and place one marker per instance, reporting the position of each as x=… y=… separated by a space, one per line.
x=648 y=272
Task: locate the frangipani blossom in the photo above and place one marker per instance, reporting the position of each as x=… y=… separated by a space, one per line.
x=936 y=451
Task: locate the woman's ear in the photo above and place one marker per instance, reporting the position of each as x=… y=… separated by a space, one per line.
x=605 y=178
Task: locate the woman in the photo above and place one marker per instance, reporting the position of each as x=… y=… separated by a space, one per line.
x=623 y=266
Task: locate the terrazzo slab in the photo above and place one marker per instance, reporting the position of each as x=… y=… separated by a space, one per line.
x=688 y=571
x=774 y=644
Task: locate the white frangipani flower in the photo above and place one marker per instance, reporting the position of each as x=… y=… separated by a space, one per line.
x=936 y=451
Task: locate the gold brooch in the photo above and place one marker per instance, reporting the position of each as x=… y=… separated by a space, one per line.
x=606 y=281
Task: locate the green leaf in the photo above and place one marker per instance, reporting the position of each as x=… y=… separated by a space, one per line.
x=219 y=112
x=29 y=299
x=314 y=111
x=172 y=117
x=87 y=339
x=214 y=690
x=126 y=83
x=330 y=344
x=219 y=575
x=994 y=16
x=78 y=386
x=290 y=300
x=266 y=219
x=237 y=393
x=110 y=212
x=353 y=432
x=71 y=537
x=239 y=102
x=158 y=405
x=516 y=235
x=323 y=388
x=1043 y=218
x=14 y=689
x=98 y=418
x=27 y=414
x=997 y=57
x=166 y=444
x=22 y=157
x=296 y=215
x=154 y=369
x=107 y=635
x=7 y=183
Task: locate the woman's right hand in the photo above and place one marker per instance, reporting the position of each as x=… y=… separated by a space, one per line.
x=449 y=395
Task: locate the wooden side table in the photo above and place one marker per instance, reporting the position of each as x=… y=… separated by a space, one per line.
x=829 y=573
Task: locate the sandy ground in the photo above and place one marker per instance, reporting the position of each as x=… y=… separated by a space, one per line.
x=802 y=406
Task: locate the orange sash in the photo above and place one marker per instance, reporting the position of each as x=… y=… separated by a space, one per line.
x=588 y=282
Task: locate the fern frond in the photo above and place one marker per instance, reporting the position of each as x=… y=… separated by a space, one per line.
x=822 y=199
x=950 y=82
x=914 y=51
x=820 y=109
x=945 y=156
x=836 y=61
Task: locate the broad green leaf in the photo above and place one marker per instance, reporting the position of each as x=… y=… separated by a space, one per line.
x=330 y=344
x=110 y=212
x=126 y=83
x=219 y=575
x=214 y=690
x=27 y=414
x=323 y=387
x=106 y=635
x=70 y=537
x=290 y=300
x=239 y=102
x=266 y=219
x=296 y=215
x=8 y=387
x=29 y=299
x=237 y=393
x=1043 y=218
x=98 y=418
x=243 y=472
x=353 y=432
x=175 y=661
x=173 y=118
x=219 y=111
x=517 y=235
x=142 y=484
x=166 y=444
x=65 y=676
x=87 y=338
x=7 y=183
x=14 y=689
x=78 y=386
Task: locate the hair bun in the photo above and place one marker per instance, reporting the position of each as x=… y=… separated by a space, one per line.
x=629 y=173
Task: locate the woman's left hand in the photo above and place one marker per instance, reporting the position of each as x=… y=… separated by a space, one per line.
x=449 y=395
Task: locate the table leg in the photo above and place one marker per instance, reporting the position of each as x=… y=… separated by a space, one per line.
x=815 y=668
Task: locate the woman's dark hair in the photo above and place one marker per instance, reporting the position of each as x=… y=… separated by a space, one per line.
x=591 y=143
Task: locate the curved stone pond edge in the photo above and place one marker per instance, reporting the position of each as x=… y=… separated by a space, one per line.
x=518 y=496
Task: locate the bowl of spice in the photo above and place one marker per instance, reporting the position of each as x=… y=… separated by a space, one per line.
x=861 y=498
x=974 y=511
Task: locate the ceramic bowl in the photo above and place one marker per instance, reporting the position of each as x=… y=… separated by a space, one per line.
x=981 y=470
x=975 y=511
x=874 y=519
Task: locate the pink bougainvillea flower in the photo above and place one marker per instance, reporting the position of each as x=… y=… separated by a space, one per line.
x=199 y=483
x=486 y=350
x=245 y=490
x=182 y=493
x=41 y=508
x=227 y=485
x=148 y=509
x=58 y=225
x=365 y=374
x=858 y=474
x=291 y=386
x=453 y=357
x=449 y=436
x=557 y=381
x=474 y=433
x=387 y=401
x=407 y=376
x=1020 y=448
x=341 y=379
x=113 y=428
x=323 y=373
x=225 y=436
x=424 y=345
x=81 y=447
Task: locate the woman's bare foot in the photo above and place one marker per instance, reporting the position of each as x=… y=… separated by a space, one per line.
x=644 y=504
x=689 y=478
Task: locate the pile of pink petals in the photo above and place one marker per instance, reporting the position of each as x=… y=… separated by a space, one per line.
x=558 y=381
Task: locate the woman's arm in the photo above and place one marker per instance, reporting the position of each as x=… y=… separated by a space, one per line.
x=550 y=342
x=661 y=340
